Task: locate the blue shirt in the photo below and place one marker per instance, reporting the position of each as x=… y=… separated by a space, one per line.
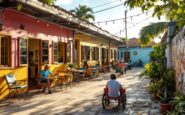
x=113 y=88
x=44 y=74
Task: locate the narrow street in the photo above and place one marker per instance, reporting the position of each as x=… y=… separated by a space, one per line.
x=85 y=99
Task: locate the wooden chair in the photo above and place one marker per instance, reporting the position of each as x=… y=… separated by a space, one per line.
x=15 y=86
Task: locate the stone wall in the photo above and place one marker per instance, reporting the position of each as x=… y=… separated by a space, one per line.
x=178 y=59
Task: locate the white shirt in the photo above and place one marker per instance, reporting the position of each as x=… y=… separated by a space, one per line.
x=113 y=88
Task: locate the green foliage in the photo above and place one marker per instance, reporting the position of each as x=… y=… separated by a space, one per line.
x=171 y=9
x=154 y=71
x=155 y=68
x=179 y=104
x=19 y=7
x=157 y=53
x=167 y=86
x=154 y=87
x=48 y=2
x=71 y=65
x=148 y=33
x=74 y=65
x=84 y=12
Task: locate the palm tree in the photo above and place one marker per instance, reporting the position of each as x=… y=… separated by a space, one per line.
x=149 y=32
x=83 y=12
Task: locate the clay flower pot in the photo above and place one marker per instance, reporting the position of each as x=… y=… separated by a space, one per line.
x=164 y=107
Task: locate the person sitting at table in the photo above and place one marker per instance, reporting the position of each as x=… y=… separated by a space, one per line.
x=107 y=64
x=88 y=72
x=44 y=78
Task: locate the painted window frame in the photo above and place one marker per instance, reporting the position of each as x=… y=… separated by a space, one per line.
x=19 y=46
x=59 y=52
x=42 y=52
x=9 y=51
x=55 y=49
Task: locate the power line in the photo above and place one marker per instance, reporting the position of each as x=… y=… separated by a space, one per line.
x=113 y=20
x=105 y=4
x=134 y=25
x=107 y=8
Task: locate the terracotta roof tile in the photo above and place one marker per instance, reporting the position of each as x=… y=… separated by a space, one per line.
x=135 y=42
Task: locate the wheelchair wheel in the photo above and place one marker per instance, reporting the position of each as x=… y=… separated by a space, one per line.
x=124 y=100
x=105 y=102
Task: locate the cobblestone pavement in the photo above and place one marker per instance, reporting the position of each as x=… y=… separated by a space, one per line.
x=85 y=99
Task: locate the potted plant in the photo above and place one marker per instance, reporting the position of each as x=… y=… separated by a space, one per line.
x=153 y=88
x=164 y=102
x=167 y=90
x=71 y=65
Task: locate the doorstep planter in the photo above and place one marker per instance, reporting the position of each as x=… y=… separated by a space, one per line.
x=164 y=107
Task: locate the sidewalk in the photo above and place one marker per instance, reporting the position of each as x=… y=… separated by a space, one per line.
x=85 y=99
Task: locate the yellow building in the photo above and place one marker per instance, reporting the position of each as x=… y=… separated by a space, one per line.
x=94 y=49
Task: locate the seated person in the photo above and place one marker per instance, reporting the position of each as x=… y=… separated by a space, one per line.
x=107 y=64
x=121 y=66
x=44 y=78
x=88 y=72
x=114 y=87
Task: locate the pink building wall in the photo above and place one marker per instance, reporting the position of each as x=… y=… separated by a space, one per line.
x=33 y=28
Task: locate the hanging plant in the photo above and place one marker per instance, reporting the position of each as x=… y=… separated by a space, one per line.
x=48 y=2
x=19 y=7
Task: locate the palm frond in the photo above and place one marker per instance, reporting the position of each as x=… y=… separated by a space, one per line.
x=148 y=33
x=87 y=17
x=83 y=12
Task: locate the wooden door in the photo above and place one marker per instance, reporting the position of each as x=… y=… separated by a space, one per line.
x=127 y=56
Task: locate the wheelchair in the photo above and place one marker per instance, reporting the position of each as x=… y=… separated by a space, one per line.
x=121 y=99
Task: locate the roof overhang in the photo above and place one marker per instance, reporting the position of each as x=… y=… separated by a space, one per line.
x=59 y=16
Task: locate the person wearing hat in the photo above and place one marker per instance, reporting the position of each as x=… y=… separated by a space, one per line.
x=44 y=78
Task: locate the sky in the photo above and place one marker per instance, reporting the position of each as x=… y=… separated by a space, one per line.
x=134 y=24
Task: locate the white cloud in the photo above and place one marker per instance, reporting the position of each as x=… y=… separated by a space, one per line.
x=63 y=2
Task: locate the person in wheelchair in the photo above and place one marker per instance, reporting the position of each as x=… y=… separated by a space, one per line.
x=114 y=87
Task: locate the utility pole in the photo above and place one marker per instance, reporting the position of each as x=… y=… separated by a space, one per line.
x=126 y=37
x=126 y=25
